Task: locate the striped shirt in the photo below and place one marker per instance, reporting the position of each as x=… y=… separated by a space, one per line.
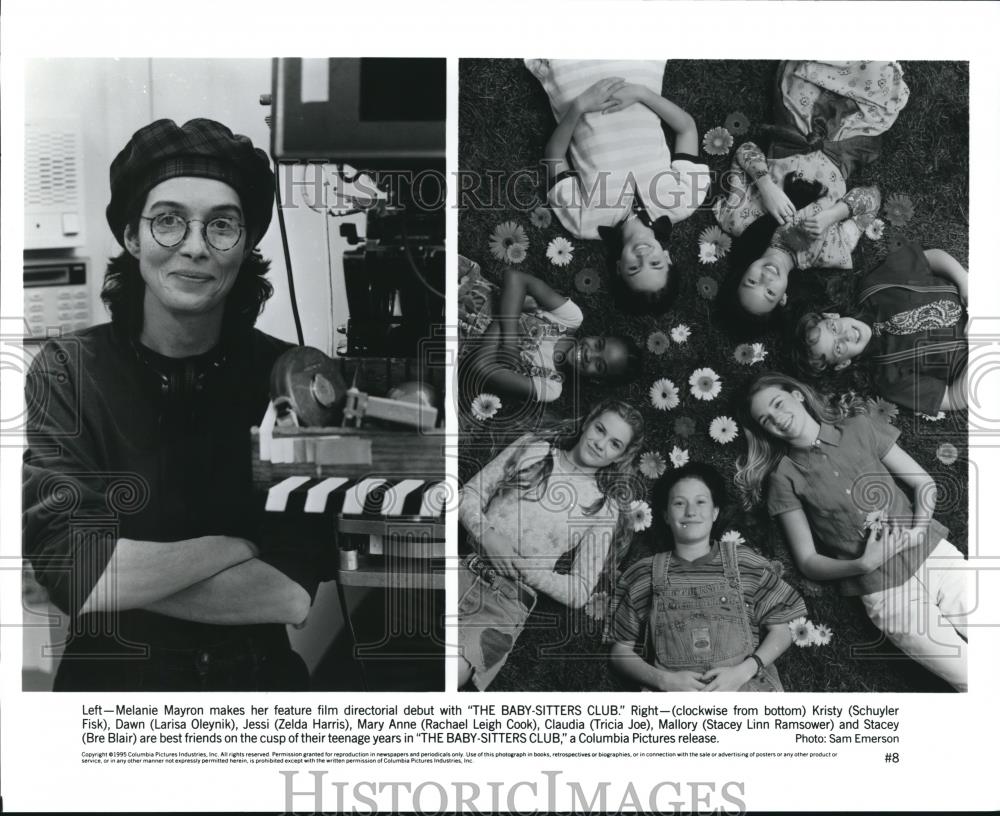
x=769 y=599
x=618 y=155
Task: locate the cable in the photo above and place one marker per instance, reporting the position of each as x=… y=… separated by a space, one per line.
x=288 y=257
x=332 y=351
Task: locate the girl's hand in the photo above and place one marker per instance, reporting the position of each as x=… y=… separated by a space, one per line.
x=729 y=678
x=872 y=558
x=813 y=226
x=679 y=681
x=776 y=204
x=599 y=96
x=628 y=94
x=816 y=225
x=499 y=553
x=907 y=537
x=880 y=548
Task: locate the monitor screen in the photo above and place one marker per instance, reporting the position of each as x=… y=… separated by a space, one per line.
x=371 y=113
x=402 y=90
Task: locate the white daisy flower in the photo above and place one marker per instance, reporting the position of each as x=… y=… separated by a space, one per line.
x=947 y=454
x=664 y=395
x=803 y=632
x=875 y=229
x=652 y=465
x=875 y=520
x=679 y=457
x=680 y=333
x=640 y=515
x=486 y=406
x=823 y=635
x=759 y=353
x=733 y=536
x=723 y=430
x=559 y=251
x=705 y=384
x=708 y=253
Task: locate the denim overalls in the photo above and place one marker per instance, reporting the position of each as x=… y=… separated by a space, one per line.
x=701 y=627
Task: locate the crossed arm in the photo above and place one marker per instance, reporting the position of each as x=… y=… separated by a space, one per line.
x=215 y=579
x=212 y=579
x=575 y=587
x=249 y=592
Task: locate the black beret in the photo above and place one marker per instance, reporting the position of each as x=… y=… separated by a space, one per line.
x=202 y=148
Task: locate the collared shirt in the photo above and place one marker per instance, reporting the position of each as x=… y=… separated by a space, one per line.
x=839 y=482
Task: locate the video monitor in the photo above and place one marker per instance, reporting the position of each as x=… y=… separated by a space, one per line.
x=371 y=113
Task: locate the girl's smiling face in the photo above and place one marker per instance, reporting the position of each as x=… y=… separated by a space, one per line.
x=781 y=414
x=600 y=357
x=691 y=511
x=643 y=264
x=603 y=442
x=763 y=287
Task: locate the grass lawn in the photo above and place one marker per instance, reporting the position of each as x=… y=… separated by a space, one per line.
x=504 y=121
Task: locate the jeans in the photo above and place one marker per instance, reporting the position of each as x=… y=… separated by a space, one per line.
x=926 y=616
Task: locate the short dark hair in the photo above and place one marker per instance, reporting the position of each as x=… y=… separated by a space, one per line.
x=660 y=496
x=807 y=362
x=629 y=300
x=737 y=322
x=638 y=303
x=633 y=363
x=749 y=246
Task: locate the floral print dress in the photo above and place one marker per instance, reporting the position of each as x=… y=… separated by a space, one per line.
x=742 y=205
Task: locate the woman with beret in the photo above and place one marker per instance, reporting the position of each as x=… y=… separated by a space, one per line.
x=137 y=488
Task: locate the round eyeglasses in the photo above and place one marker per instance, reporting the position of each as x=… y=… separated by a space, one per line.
x=170 y=229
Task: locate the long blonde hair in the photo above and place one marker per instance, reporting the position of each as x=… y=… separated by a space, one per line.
x=618 y=483
x=765 y=451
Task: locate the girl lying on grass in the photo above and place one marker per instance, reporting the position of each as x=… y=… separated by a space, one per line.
x=702 y=603
x=831 y=481
x=531 y=347
x=908 y=330
x=549 y=497
x=611 y=174
x=791 y=209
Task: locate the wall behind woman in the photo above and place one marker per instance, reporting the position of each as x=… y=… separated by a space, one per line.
x=113 y=98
